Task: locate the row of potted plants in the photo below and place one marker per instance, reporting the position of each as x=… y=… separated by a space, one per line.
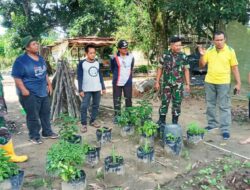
x=139 y=118
x=65 y=158
x=172 y=137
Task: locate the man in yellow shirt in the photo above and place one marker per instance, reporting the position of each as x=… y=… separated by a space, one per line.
x=221 y=60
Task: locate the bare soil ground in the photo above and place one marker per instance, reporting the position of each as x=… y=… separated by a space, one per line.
x=137 y=176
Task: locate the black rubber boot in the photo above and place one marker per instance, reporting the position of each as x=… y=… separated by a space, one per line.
x=162 y=120
x=175 y=119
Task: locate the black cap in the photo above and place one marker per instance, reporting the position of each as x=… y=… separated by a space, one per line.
x=122 y=44
x=174 y=39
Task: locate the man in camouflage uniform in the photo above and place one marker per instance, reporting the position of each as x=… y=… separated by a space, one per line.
x=175 y=70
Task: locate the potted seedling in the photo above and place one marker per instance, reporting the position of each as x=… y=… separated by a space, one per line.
x=145 y=153
x=195 y=134
x=73 y=178
x=144 y=111
x=114 y=163
x=68 y=129
x=92 y=154
x=11 y=177
x=172 y=144
x=65 y=160
x=148 y=131
x=134 y=116
x=124 y=121
x=104 y=135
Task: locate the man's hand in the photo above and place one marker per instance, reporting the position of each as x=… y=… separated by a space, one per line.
x=81 y=94
x=188 y=89
x=104 y=91
x=25 y=92
x=157 y=85
x=50 y=89
x=202 y=50
x=237 y=87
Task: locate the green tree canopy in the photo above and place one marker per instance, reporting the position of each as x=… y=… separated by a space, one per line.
x=147 y=23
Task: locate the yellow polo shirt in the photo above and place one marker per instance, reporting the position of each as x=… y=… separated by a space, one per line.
x=219 y=64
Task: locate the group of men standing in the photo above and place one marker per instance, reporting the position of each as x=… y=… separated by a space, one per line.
x=221 y=60
x=34 y=87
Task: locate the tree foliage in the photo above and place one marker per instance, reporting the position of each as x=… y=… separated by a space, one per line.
x=207 y=16
x=147 y=23
x=76 y=17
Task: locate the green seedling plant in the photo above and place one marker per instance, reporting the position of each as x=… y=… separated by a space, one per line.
x=129 y=116
x=133 y=116
x=7 y=168
x=65 y=119
x=115 y=157
x=170 y=137
x=145 y=110
x=149 y=128
x=146 y=147
x=103 y=129
x=87 y=147
x=194 y=129
x=68 y=127
x=123 y=118
x=65 y=160
x=69 y=172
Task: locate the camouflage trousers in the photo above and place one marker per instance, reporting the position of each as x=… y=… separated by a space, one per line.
x=171 y=92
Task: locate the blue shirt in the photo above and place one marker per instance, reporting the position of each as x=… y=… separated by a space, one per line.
x=32 y=73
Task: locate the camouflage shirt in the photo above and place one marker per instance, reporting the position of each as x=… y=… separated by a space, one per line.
x=173 y=67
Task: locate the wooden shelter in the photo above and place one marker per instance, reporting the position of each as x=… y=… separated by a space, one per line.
x=65 y=98
x=76 y=46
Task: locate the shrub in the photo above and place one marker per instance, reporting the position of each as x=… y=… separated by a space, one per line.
x=65 y=160
x=7 y=168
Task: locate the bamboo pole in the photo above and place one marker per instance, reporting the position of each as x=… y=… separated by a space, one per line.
x=225 y=150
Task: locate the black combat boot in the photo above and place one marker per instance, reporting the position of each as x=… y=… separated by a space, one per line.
x=162 y=120
x=175 y=119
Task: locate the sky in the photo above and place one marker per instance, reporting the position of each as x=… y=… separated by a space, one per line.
x=2 y=29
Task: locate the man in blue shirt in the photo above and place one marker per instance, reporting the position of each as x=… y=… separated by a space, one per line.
x=33 y=87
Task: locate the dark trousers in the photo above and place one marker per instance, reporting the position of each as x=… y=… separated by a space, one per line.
x=37 y=115
x=96 y=97
x=117 y=95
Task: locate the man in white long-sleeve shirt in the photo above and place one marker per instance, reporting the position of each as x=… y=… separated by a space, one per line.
x=90 y=84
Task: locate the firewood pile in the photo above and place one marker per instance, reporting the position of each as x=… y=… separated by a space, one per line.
x=64 y=98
